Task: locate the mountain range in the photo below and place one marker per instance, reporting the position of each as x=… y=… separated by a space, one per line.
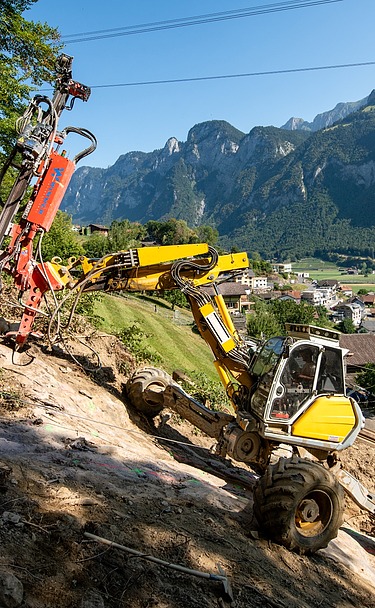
x=303 y=189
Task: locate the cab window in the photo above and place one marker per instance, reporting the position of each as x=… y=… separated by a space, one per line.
x=331 y=373
x=296 y=383
x=263 y=370
x=268 y=356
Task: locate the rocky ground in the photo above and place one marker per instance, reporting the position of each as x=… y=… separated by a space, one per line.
x=75 y=459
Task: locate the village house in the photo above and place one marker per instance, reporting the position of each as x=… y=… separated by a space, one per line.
x=234 y=294
x=322 y=295
x=359 y=302
x=331 y=284
x=346 y=291
x=294 y=296
x=249 y=279
x=347 y=310
x=286 y=268
x=312 y=296
x=91 y=228
x=369 y=299
x=361 y=350
x=302 y=276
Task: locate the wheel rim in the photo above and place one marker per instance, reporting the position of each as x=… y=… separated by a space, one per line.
x=313 y=513
x=153 y=388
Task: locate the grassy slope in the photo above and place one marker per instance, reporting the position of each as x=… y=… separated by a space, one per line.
x=179 y=347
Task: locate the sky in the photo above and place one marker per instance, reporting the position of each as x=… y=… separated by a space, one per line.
x=143 y=117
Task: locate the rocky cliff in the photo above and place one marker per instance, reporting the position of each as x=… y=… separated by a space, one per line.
x=276 y=191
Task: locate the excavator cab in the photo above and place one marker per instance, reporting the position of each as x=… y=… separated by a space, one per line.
x=304 y=375
x=299 y=391
x=289 y=376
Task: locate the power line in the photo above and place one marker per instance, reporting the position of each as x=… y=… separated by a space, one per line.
x=242 y=75
x=227 y=76
x=192 y=21
x=180 y=20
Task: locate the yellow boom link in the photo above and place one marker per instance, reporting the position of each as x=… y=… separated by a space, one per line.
x=149 y=268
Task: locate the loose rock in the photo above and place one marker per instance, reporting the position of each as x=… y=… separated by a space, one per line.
x=11 y=590
x=92 y=599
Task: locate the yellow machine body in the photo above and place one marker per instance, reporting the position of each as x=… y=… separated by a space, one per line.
x=217 y=327
x=149 y=268
x=329 y=418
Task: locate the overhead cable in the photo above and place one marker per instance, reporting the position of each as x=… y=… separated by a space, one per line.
x=241 y=75
x=192 y=21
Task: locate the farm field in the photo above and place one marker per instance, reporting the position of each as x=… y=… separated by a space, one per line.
x=320 y=270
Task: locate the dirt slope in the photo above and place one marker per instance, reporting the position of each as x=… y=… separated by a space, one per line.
x=74 y=458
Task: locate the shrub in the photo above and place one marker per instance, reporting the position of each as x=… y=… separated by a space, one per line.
x=207 y=391
x=135 y=341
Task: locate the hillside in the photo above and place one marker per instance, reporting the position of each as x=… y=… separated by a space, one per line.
x=166 y=332
x=75 y=458
x=283 y=193
x=319 y=198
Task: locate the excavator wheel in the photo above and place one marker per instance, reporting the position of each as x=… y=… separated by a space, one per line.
x=299 y=504
x=147 y=379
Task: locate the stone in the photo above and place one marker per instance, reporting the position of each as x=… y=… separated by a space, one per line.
x=11 y=590
x=92 y=599
x=4 y=326
x=13 y=518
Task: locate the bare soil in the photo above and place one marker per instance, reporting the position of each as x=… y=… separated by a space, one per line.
x=75 y=458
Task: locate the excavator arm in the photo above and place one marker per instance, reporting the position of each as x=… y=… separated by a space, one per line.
x=189 y=268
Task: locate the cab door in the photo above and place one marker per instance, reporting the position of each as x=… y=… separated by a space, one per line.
x=296 y=382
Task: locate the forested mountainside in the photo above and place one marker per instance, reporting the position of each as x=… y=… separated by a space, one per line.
x=276 y=191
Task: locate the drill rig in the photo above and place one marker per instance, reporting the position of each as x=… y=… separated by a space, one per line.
x=36 y=156
x=288 y=392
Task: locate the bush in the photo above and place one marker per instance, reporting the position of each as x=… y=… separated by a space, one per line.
x=208 y=392
x=135 y=341
x=366 y=378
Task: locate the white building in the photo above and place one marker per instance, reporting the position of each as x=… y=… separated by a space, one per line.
x=250 y=280
x=286 y=267
x=323 y=296
x=245 y=278
x=259 y=283
x=350 y=311
x=328 y=297
x=312 y=296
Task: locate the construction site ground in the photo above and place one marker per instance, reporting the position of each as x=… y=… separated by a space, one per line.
x=76 y=459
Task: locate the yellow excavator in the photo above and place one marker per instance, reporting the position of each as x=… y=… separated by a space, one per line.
x=288 y=392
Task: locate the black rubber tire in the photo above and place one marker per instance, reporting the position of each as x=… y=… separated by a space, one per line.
x=142 y=380
x=299 y=504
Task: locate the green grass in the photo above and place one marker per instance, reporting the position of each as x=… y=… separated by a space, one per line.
x=358 y=286
x=314 y=264
x=320 y=270
x=178 y=346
